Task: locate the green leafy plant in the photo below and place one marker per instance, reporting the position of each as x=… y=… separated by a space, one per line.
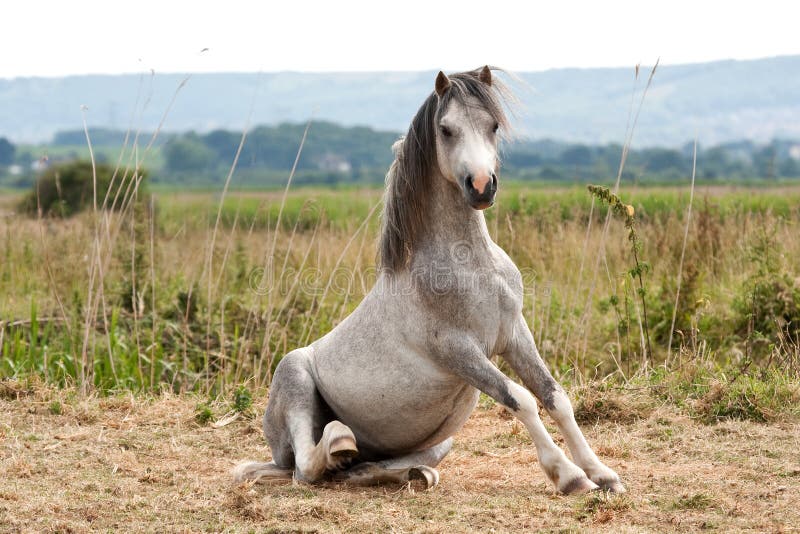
x=55 y=408
x=627 y=213
x=203 y=413
x=768 y=305
x=242 y=399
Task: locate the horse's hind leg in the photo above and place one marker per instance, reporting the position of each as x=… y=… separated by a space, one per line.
x=299 y=428
x=415 y=466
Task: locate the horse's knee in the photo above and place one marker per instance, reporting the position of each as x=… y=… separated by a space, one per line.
x=526 y=408
x=560 y=408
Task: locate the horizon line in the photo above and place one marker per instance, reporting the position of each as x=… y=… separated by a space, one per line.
x=154 y=72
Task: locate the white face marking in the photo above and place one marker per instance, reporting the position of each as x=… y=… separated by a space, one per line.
x=470 y=149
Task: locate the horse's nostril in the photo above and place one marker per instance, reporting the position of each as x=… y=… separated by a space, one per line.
x=468 y=182
x=494 y=180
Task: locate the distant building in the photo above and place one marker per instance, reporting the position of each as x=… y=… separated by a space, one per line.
x=334 y=163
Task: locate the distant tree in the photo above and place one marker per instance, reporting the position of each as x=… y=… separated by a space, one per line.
x=521 y=159
x=68 y=188
x=577 y=155
x=98 y=136
x=520 y=154
x=550 y=174
x=611 y=155
x=223 y=143
x=764 y=161
x=6 y=151
x=275 y=147
x=664 y=159
x=790 y=168
x=106 y=137
x=188 y=153
x=720 y=162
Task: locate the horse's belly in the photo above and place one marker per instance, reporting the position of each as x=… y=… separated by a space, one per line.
x=409 y=406
x=408 y=426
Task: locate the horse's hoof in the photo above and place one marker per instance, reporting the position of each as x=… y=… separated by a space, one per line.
x=578 y=486
x=427 y=475
x=341 y=441
x=343 y=448
x=611 y=486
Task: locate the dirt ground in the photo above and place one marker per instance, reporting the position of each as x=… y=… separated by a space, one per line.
x=133 y=464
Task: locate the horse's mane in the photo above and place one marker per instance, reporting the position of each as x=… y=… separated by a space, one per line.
x=408 y=182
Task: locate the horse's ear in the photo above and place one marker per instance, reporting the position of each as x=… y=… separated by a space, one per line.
x=486 y=75
x=442 y=83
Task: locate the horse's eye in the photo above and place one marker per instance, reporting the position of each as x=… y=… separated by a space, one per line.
x=495 y=127
x=447 y=132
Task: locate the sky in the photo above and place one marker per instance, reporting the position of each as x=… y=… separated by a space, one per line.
x=56 y=38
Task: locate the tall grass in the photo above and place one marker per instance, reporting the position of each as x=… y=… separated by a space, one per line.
x=284 y=281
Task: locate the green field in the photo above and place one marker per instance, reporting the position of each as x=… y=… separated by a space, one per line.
x=351 y=205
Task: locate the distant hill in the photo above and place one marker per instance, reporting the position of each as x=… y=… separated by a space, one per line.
x=719 y=101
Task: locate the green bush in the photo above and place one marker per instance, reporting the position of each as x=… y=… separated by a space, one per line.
x=768 y=304
x=68 y=188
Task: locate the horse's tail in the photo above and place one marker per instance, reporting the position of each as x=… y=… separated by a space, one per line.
x=260 y=471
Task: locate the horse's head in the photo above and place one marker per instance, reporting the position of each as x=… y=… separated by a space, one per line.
x=466 y=124
x=453 y=138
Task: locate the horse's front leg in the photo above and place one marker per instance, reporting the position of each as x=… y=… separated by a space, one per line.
x=524 y=359
x=464 y=357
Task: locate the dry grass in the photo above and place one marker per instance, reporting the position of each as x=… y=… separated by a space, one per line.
x=143 y=464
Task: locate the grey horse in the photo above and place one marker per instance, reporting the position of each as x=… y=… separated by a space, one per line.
x=379 y=397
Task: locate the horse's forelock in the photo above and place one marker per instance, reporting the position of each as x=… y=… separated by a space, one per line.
x=409 y=179
x=493 y=98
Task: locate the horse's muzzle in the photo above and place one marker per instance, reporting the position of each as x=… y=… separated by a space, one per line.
x=480 y=200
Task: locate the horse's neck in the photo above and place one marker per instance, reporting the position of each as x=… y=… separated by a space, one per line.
x=452 y=220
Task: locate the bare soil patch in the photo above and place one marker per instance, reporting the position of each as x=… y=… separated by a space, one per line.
x=134 y=464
